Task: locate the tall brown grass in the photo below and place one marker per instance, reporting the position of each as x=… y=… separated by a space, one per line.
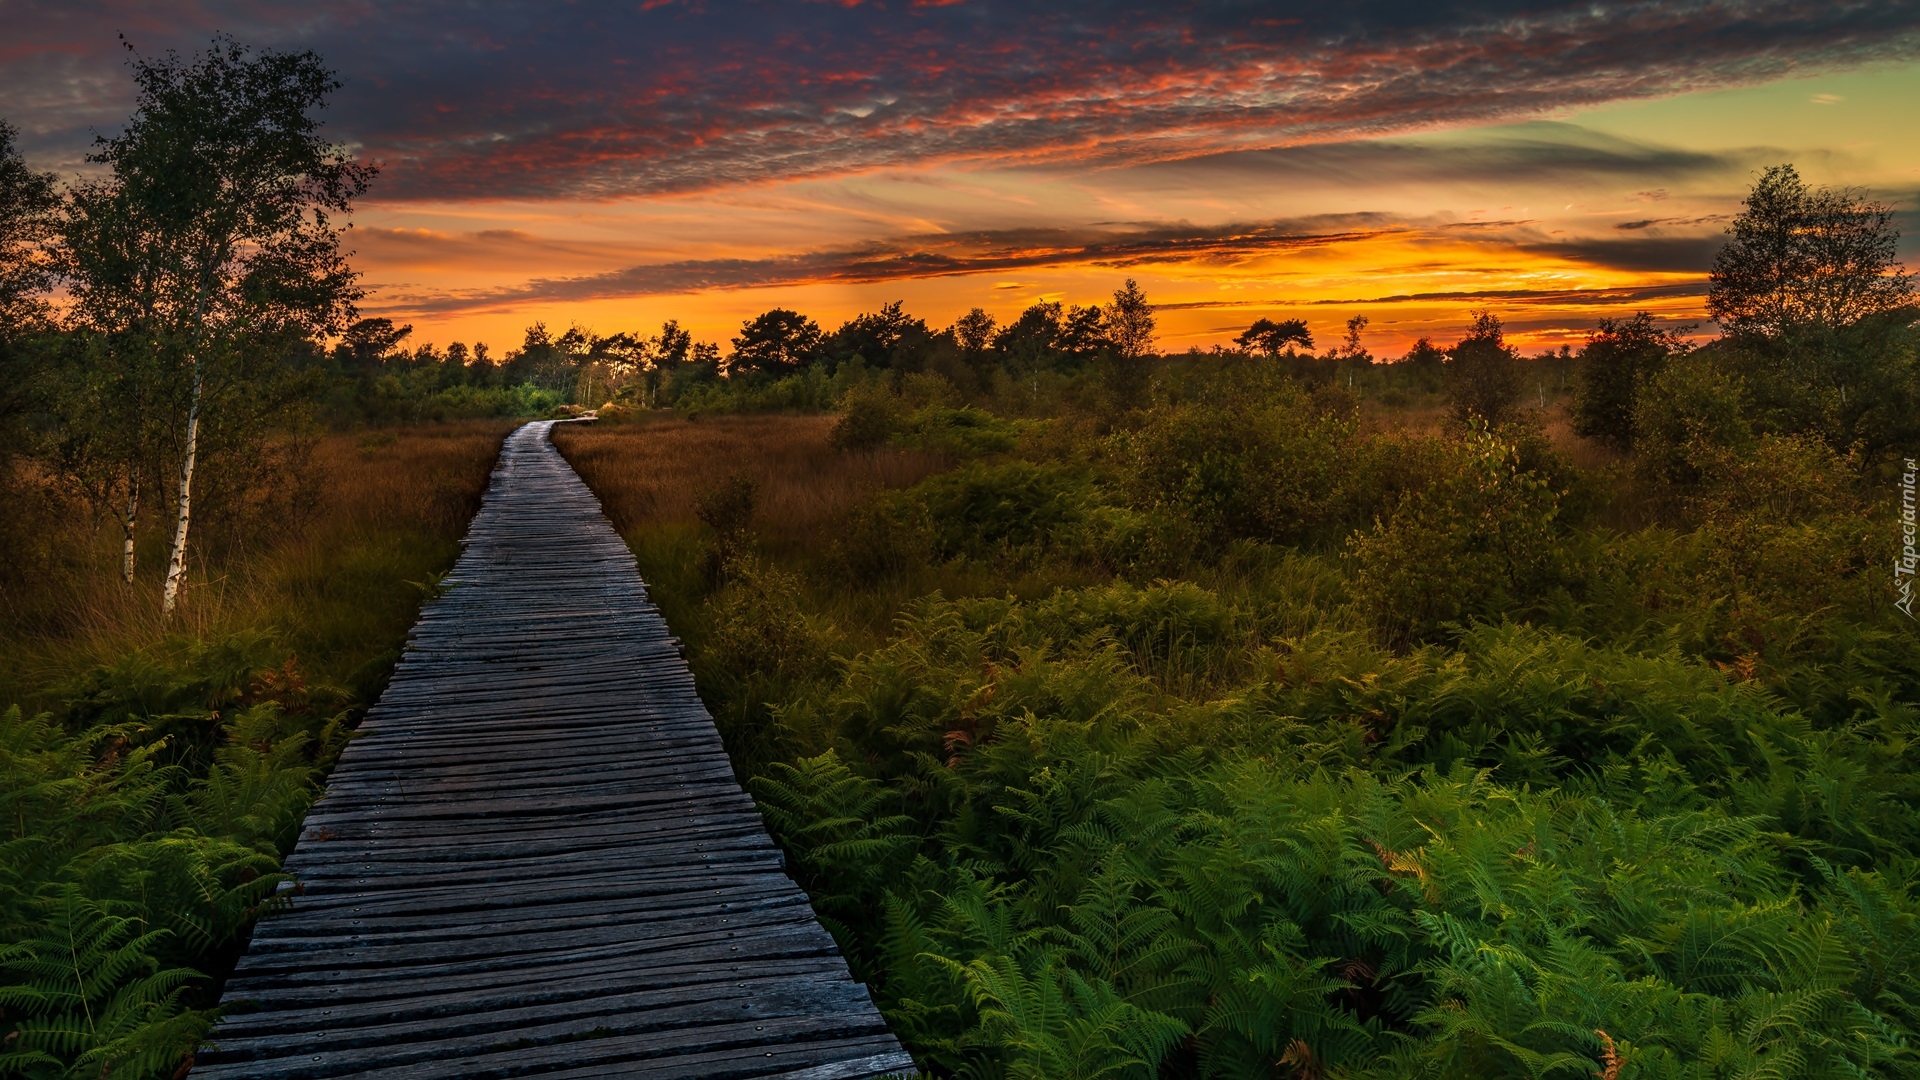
x=654 y=473
x=335 y=575
x=1433 y=417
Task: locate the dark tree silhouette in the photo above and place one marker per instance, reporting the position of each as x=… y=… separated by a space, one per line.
x=27 y=203
x=541 y=360
x=1619 y=359
x=1483 y=372
x=1032 y=341
x=974 y=332
x=1798 y=255
x=880 y=338
x=777 y=342
x=673 y=345
x=1819 y=316
x=1084 y=333
x=368 y=342
x=1130 y=322
x=1129 y=336
x=1425 y=355
x=1273 y=338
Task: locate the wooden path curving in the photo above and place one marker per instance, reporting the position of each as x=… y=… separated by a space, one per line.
x=535 y=860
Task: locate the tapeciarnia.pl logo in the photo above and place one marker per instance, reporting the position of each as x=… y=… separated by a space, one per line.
x=1909 y=560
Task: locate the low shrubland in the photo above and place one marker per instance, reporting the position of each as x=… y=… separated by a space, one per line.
x=1265 y=730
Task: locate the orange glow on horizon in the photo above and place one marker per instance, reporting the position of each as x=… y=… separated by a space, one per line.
x=1409 y=285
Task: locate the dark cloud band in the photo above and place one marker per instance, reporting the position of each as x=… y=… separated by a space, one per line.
x=544 y=100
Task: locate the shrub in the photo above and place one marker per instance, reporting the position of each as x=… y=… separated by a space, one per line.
x=728 y=510
x=869 y=419
x=1273 y=468
x=965 y=432
x=1620 y=356
x=1483 y=373
x=883 y=537
x=1479 y=542
x=1689 y=413
x=758 y=623
x=982 y=511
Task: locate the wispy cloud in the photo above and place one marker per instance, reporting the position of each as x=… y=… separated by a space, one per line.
x=1504 y=297
x=1119 y=248
x=924 y=256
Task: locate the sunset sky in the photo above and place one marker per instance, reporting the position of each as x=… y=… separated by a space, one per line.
x=616 y=165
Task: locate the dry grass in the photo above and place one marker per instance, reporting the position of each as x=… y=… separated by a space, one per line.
x=1433 y=417
x=428 y=477
x=650 y=477
x=1584 y=453
x=653 y=473
x=1426 y=418
x=332 y=581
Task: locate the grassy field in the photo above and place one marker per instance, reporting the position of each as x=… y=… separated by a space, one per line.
x=328 y=574
x=653 y=473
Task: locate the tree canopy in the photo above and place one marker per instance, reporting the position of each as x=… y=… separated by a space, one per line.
x=1483 y=372
x=776 y=342
x=1619 y=359
x=876 y=337
x=27 y=203
x=211 y=244
x=1272 y=338
x=1798 y=255
x=1129 y=322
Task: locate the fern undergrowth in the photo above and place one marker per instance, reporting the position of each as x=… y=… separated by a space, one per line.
x=1365 y=771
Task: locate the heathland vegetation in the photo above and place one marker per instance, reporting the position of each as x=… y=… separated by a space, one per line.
x=1266 y=711
x=1270 y=713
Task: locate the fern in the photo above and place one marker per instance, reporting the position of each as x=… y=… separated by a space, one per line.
x=92 y=993
x=1054 y=1024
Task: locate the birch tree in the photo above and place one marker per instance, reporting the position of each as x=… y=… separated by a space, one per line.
x=212 y=245
x=1798 y=255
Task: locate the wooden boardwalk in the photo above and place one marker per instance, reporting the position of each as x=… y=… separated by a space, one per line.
x=535 y=860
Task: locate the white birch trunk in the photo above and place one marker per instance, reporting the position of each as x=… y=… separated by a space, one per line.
x=126 y=526
x=177 y=557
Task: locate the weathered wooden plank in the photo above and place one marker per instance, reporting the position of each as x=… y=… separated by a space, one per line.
x=534 y=860
x=522 y=992
x=395 y=1040
x=610 y=970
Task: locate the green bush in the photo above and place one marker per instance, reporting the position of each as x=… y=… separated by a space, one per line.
x=869 y=417
x=1688 y=414
x=965 y=432
x=982 y=511
x=1478 y=542
x=1274 y=467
